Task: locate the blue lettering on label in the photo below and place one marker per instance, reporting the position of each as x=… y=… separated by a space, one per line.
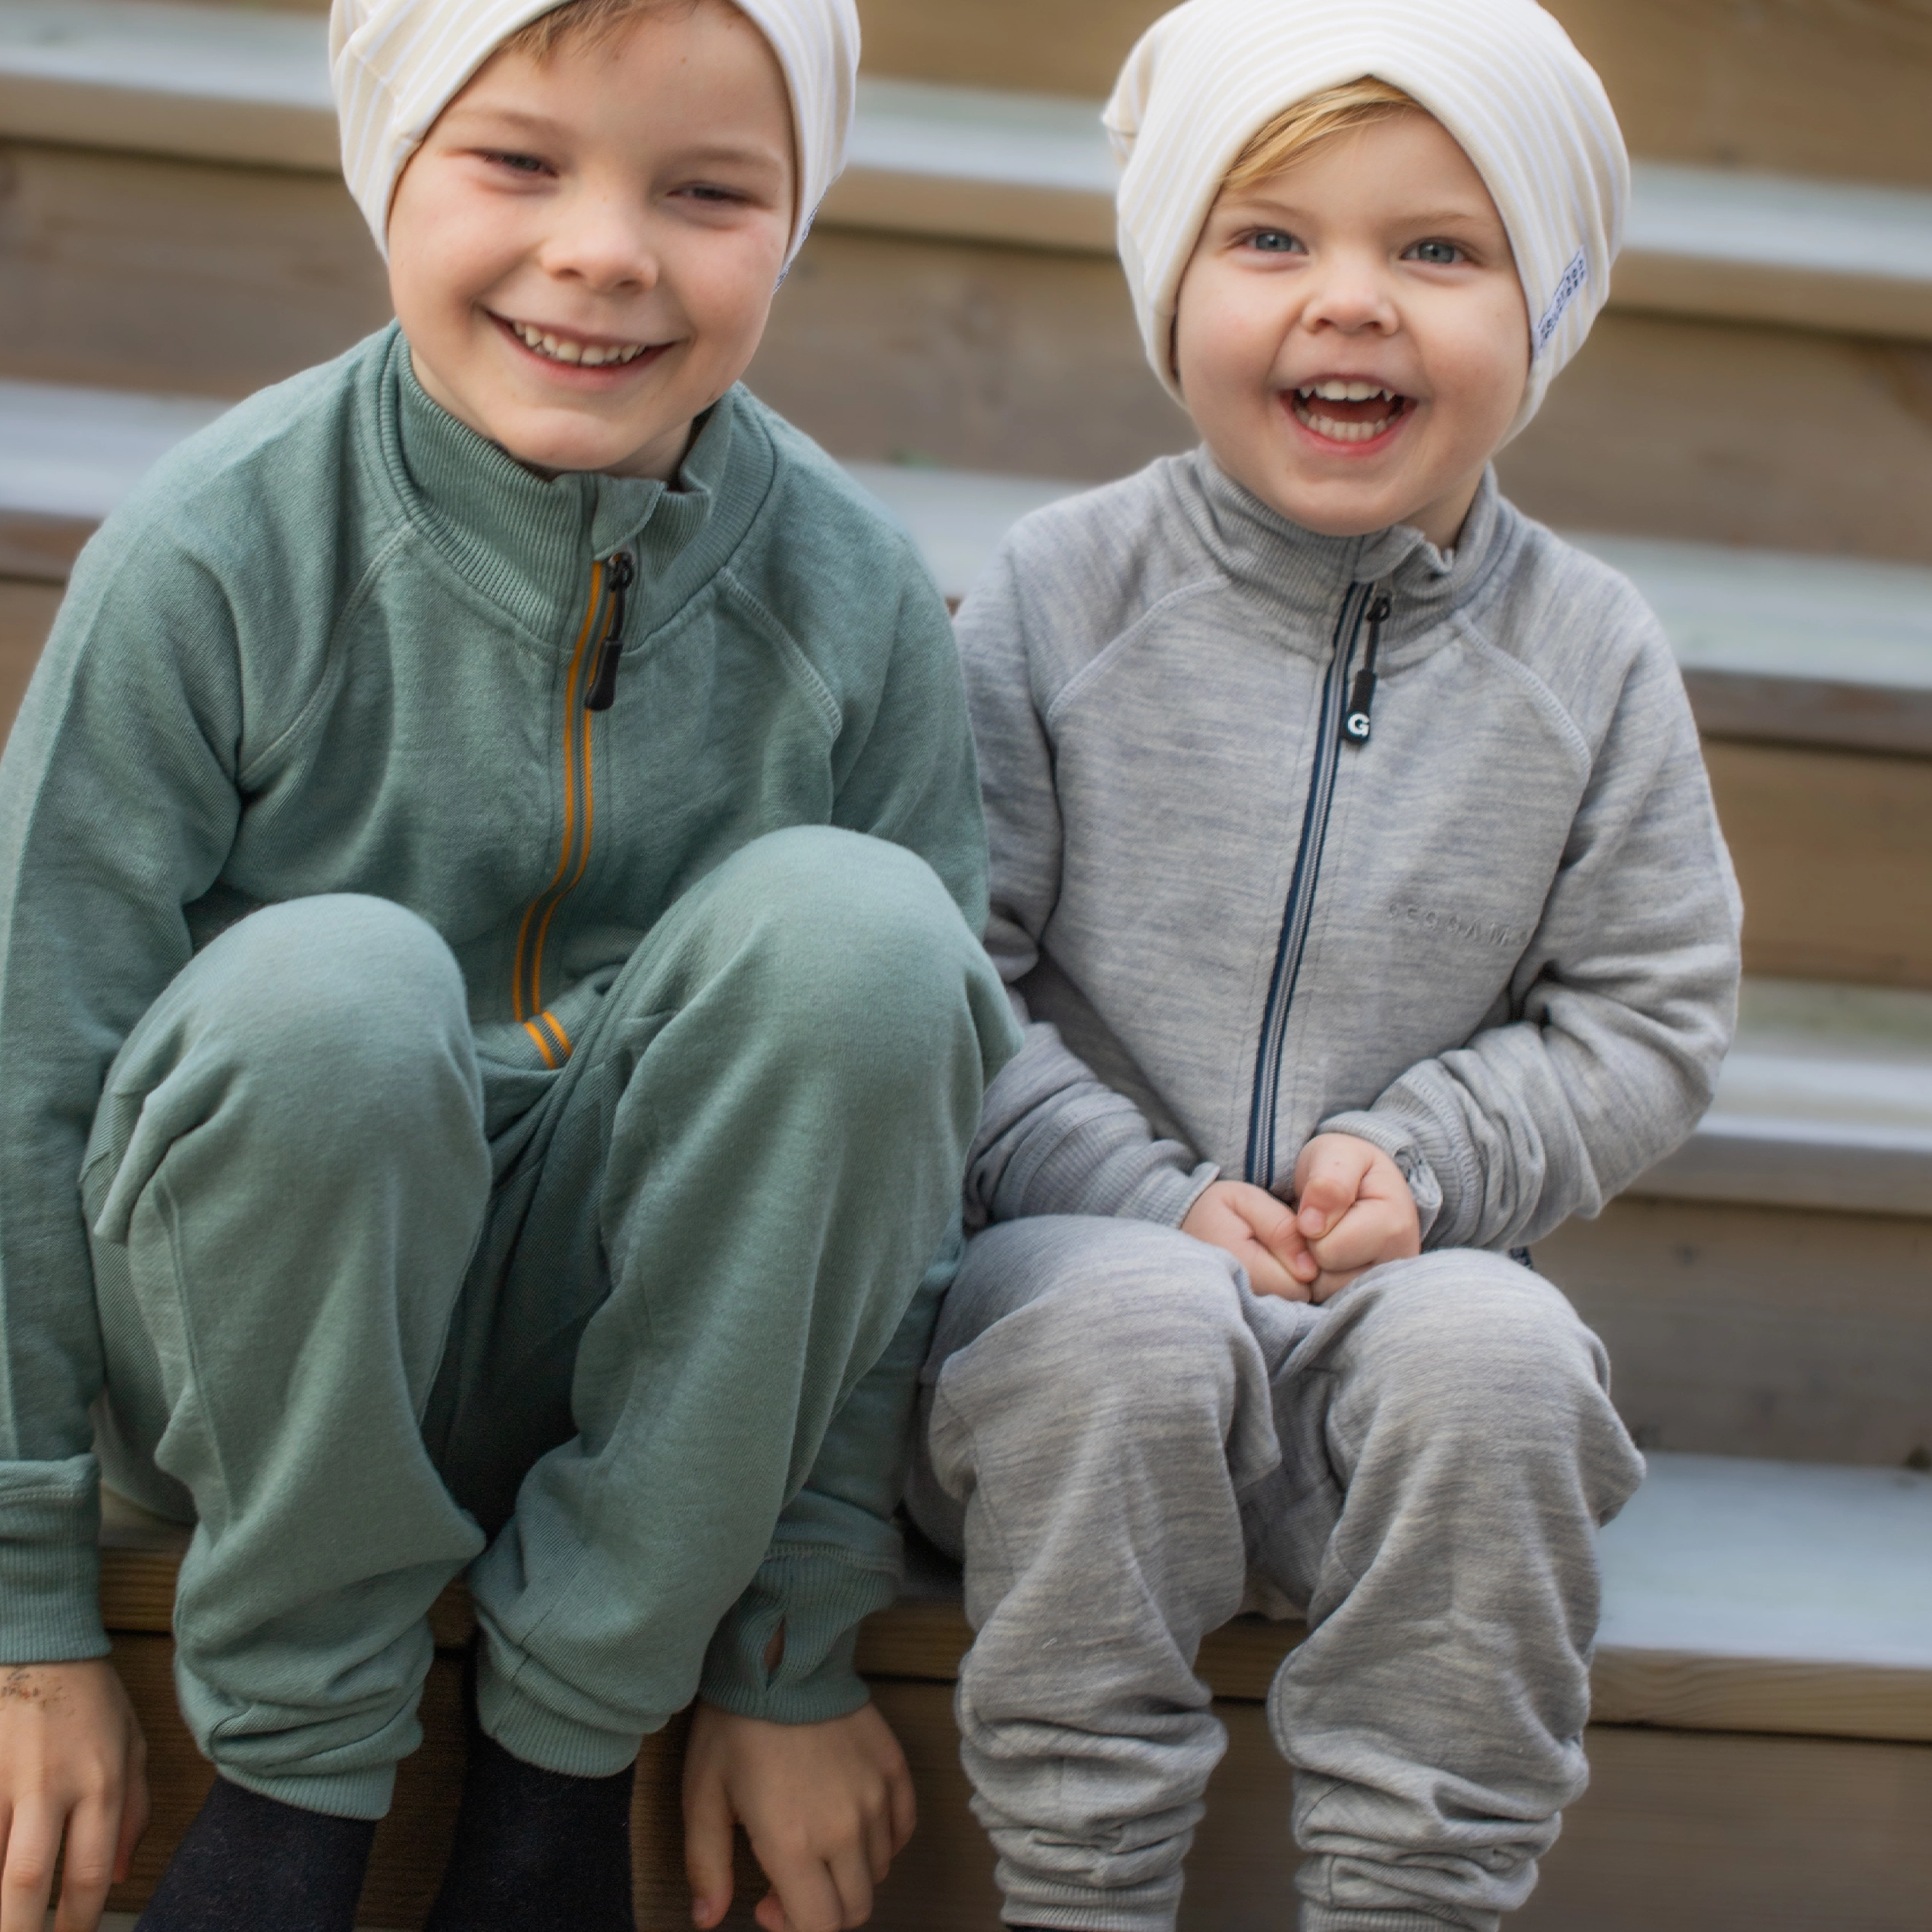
x=1574 y=277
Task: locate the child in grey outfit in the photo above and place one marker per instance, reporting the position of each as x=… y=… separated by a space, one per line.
x=1356 y=876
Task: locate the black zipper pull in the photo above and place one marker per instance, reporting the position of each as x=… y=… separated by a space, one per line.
x=1356 y=720
x=620 y=573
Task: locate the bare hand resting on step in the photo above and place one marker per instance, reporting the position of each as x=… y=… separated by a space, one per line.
x=827 y=1807
x=1353 y=1210
x=73 y=1763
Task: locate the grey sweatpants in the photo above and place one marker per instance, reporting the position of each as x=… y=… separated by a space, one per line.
x=1121 y=1441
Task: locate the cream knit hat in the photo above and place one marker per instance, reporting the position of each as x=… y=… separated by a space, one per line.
x=396 y=65
x=1500 y=75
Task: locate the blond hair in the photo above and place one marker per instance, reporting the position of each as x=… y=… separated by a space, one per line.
x=1337 y=110
x=580 y=23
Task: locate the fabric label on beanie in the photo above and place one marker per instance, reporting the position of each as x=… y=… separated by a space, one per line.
x=1575 y=276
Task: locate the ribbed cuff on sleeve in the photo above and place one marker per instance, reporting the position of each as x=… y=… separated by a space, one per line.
x=1165 y=1194
x=50 y=1562
x=819 y=1598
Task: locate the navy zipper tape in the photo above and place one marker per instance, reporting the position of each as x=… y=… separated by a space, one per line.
x=1296 y=915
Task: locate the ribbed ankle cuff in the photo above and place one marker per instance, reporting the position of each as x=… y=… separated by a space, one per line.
x=335 y=1795
x=543 y=1737
x=1326 y=1918
x=1047 y=1906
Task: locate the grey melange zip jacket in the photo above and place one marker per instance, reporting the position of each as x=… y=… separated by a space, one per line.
x=1498 y=936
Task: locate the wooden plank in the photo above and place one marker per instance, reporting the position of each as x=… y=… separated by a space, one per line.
x=975 y=357
x=41 y=549
x=1816 y=711
x=27 y=614
x=211 y=85
x=1800 y=297
x=1833 y=849
x=1835 y=88
x=1759 y=1331
x=176 y=276
x=1680 y=1691
x=1717 y=433
x=924 y=1642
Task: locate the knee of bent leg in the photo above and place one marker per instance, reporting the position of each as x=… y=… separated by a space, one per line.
x=1470 y=1332
x=865 y=939
x=342 y=989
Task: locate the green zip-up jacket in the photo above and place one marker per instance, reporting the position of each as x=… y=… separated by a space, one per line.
x=338 y=642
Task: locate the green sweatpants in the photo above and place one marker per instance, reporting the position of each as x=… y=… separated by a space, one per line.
x=383 y=1297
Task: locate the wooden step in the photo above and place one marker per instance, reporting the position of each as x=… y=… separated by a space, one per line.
x=1818 y=87
x=1796 y=649
x=1759 y=1616
x=212 y=83
x=1809 y=87
x=978 y=354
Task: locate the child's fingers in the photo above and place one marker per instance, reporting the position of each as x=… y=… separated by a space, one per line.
x=33 y=1838
x=1370 y=1232
x=708 y=1824
x=807 y=1899
x=1328 y=1180
x=133 y=1811
x=853 y=1880
x=1267 y=1276
x=87 y=1868
x=903 y=1807
x=1273 y=1226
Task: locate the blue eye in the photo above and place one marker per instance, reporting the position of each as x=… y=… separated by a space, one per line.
x=1275 y=241
x=1439 y=254
x=520 y=164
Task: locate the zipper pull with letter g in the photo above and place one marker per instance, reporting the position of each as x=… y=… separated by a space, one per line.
x=1356 y=720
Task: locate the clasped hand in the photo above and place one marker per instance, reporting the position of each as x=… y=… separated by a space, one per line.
x=1353 y=1211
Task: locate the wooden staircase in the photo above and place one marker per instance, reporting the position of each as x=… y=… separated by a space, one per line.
x=1748 y=433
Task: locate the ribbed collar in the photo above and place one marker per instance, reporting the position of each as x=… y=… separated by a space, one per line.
x=527 y=544
x=1306 y=575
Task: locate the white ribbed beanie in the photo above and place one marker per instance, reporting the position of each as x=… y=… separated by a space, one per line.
x=396 y=65
x=1500 y=75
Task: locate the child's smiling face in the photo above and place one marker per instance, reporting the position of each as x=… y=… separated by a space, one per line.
x=1351 y=337
x=584 y=251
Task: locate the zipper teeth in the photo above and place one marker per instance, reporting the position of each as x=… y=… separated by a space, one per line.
x=1296 y=914
x=579 y=806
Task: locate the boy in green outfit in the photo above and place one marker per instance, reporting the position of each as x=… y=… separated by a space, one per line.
x=491 y=1024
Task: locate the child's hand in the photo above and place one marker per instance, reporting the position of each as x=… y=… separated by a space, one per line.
x=827 y=1807
x=72 y=1763
x=1260 y=1233
x=1353 y=1209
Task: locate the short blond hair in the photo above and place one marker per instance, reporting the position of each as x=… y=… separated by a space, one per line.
x=578 y=23
x=1336 y=110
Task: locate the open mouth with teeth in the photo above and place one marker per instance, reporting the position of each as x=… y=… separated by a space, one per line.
x=1347 y=410
x=574 y=351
